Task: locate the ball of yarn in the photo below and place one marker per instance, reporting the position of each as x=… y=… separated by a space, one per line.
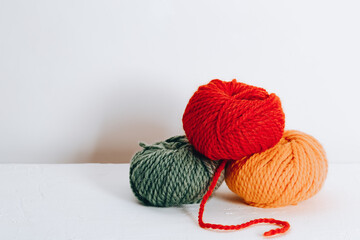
x=230 y=120
x=171 y=173
x=292 y=171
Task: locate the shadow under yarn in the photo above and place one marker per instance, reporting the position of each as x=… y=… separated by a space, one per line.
x=186 y=211
x=230 y=197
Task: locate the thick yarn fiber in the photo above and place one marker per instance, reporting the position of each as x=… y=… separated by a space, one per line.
x=230 y=120
x=171 y=173
x=292 y=171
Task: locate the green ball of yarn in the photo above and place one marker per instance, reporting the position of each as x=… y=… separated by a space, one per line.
x=171 y=173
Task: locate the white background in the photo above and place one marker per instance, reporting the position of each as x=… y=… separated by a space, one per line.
x=85 y=81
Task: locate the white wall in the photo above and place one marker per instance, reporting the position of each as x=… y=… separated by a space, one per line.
x=85 y=81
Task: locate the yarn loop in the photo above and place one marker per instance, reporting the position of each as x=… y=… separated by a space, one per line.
x=283 y=225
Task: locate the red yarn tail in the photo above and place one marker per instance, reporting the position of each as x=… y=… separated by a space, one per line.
x=284 y=226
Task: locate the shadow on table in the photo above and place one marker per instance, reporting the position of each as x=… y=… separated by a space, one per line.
x=229 y=197
x=191 y=210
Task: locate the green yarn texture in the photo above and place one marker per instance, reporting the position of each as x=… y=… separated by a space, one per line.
x=171 y=173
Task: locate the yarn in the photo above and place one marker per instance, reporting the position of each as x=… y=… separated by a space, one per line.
x=242 y=126
x=171 y=173
x=230 y=120
x=283 y=225
x=292 y=171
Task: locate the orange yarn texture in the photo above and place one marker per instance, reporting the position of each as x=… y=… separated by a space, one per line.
x=291 y=171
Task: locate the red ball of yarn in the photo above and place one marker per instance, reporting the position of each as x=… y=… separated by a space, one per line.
x=230 y=120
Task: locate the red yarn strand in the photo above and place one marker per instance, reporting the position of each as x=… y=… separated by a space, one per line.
x=284 y=226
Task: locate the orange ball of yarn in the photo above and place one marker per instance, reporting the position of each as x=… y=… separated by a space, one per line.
x=291 y=171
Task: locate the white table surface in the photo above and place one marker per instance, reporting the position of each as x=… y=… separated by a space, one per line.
x=94 y=201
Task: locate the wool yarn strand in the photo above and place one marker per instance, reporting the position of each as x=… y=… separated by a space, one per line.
x=283 y=225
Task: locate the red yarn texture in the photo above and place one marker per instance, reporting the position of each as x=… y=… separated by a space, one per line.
x=230 y=120
x=283 y=225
